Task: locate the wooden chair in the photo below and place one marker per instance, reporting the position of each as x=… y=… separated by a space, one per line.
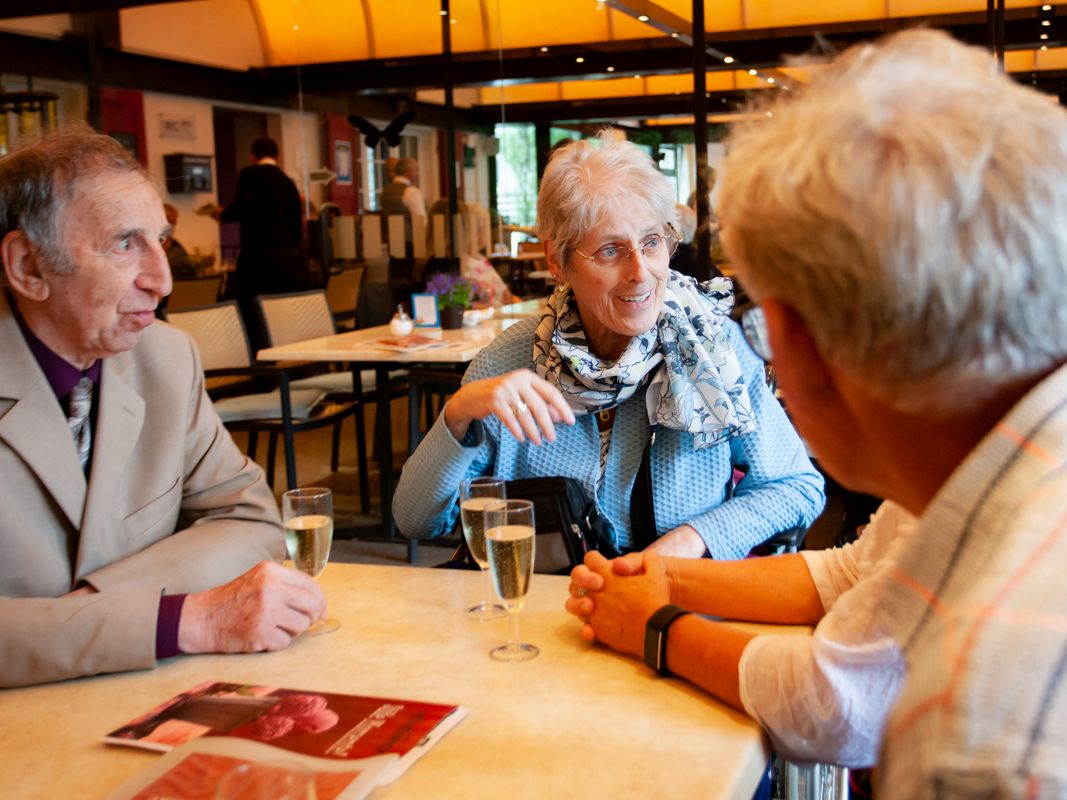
x=342 y=290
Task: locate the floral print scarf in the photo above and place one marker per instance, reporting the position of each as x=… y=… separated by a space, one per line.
x=695 y=382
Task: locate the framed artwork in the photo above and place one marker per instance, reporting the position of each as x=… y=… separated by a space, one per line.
x=177 y=126
x=342 y=162
x=424 y=310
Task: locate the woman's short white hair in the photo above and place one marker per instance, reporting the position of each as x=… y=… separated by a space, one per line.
x=911 y=206
x=584 y=180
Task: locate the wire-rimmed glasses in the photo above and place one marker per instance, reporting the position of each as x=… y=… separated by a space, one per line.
x=654 y=247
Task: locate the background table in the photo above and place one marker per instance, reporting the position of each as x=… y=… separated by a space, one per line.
x=359 y=347
x=577 y=721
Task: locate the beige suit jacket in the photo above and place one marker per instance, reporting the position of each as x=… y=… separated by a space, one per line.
x=171 y=506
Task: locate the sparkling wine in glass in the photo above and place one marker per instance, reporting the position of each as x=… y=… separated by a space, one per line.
x=509 y=538
x=307 y=515
x=474 y=495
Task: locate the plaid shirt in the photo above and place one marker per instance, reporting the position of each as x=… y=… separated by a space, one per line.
x=944 y=646
x=979 y=606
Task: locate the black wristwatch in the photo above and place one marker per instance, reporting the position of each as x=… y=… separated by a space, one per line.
x=656 y=636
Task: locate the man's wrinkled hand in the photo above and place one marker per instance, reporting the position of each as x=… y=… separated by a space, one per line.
x=622 y=607
x=263 y=609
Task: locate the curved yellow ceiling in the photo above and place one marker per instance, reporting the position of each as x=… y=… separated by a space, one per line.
x=315 y=31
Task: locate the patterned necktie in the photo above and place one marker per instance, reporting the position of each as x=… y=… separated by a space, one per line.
x=81 y=403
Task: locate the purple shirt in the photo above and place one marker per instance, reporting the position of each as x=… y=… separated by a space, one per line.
x=62 y=376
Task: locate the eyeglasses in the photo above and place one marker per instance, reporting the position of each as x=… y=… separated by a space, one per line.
x=657 y=247
x=754 y=325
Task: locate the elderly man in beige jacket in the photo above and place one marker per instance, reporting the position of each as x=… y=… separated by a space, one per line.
x=131 y=527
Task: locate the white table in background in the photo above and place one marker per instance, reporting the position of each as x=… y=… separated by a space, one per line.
x=576 y=722
x=360 y=348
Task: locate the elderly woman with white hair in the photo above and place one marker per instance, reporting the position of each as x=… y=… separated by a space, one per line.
x=626 y=356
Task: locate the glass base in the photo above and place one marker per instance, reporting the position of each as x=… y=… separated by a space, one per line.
x=323 y=626
x=514 y=651
x=485 y=613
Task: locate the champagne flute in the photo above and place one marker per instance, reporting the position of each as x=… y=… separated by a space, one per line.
x=509 y=538
x=307 y=515
x=474 y=495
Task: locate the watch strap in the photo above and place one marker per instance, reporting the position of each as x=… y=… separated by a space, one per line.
x=656 y=636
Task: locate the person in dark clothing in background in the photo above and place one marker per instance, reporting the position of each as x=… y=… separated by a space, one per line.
x=267 y=204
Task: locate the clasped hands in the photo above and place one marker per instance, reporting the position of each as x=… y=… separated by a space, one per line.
x=614 y=599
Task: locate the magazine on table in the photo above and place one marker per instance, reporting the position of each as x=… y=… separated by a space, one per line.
x=320 y=725
x=194 y=770
x=411 y=343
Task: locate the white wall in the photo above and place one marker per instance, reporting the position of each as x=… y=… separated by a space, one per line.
x=222 y=33
x=192 y=231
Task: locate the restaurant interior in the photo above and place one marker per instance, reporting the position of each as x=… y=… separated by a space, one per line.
x=478 y=93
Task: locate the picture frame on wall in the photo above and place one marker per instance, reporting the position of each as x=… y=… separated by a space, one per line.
x=342 y=162
x=424 y=310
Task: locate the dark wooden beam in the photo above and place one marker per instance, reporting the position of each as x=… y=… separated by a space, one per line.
x=69 y=60
x=614 y=108
x=10 y=9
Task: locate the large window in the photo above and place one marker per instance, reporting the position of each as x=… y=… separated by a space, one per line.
x=516 y=192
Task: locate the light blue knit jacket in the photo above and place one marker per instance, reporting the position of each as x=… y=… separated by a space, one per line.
x=780 y=491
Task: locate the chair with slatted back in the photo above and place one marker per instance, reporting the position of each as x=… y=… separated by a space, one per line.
x=224 y=350
x=299 y=316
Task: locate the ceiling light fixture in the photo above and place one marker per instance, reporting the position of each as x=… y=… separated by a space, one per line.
x=637 y=76
x=1043 y=47
x=728 y=60
x=1043 y=36
x=1046 y=22
x=580 y=60
x=1046 y=7
x=674 y=35
x=770 y=80
x=642 y=18
x=611 y=69
x=753 y=72
x=544 y=49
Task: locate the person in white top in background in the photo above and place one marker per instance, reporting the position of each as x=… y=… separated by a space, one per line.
x=407 y=173
x=902 y=224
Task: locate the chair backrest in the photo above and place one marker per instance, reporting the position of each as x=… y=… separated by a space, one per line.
x=218 y=332
x=195 y=292
x=289 y=318
x=342 y=289
x=531 y=249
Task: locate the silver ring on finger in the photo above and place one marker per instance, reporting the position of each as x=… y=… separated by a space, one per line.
x=519 y=408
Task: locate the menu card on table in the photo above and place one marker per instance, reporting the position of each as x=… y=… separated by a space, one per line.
x=318 y=725
x=194 y=770
x=411 y=343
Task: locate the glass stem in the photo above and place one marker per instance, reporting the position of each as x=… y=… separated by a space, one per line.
x=487 y=601
x=513 y=638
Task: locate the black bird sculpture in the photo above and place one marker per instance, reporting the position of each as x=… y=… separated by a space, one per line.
x=391 y=134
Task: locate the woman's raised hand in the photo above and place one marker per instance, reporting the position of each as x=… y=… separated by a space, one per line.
x=527 y=405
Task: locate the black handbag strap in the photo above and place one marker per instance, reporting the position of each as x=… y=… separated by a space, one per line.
x=642 y=511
